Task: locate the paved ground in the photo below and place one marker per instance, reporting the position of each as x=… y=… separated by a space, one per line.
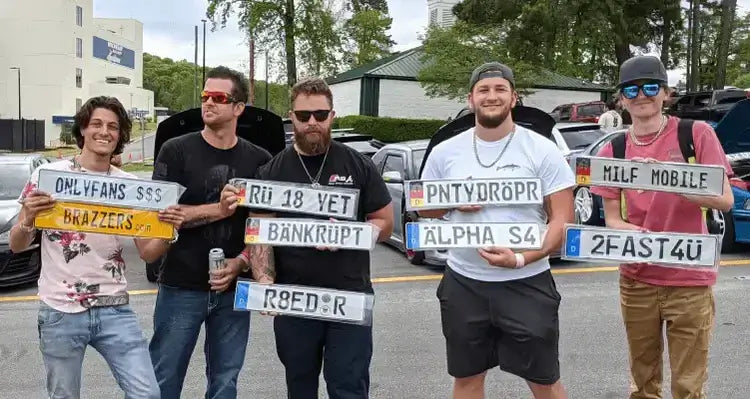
x=133 y=151
x=409 y=357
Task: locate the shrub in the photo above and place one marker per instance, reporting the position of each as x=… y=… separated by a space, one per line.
x=389 y=130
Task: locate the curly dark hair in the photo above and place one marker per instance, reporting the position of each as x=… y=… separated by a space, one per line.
x=83 y=117
x=240 y=86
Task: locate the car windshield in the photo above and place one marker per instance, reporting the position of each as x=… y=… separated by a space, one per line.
x=417 y=157
x=13 y=177
x=580 y=139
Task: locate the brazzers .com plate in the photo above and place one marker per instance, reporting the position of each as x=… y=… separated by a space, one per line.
x=104 y=219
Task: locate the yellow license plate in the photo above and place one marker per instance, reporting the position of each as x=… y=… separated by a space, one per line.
x=102 y=219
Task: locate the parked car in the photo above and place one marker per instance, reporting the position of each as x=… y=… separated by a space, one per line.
x=398 y=162
x=708 y=106
x=23 y=267
x=579 y=112
x=573 y=138
x=734 y=225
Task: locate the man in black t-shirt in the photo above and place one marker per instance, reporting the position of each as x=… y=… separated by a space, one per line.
x=203 y=162
x=303 y=344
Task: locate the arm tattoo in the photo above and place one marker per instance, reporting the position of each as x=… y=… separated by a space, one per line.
x=199 y=221
x=262 y=262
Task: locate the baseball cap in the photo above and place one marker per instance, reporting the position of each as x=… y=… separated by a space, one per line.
x=491 y=70
x=642 y=67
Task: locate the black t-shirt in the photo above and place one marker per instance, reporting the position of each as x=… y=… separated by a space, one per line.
x=344 y=269
x=204 y=170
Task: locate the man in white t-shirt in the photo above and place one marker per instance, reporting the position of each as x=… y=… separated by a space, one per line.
x=500 y=308
x=611 y=120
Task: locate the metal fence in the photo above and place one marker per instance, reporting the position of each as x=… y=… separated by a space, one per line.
x=23 y=135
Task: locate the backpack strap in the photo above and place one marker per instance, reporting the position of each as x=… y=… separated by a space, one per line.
x=618 y=151
x=618 y=146
x=687 y=146
x=685 y=137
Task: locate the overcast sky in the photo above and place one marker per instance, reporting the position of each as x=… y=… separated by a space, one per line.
x=168 y=29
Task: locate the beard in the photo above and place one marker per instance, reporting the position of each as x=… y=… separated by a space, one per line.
x=311 y=143
x=491 y=121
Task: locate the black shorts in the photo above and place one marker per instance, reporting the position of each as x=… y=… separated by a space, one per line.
x=511 y=324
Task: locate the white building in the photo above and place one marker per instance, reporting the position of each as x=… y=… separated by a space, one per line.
x=67 y=56
x=441 y=12
x=389 y=87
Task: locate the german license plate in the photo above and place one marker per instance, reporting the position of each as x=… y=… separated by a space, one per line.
x=309 y=302
x=591 y=243
x=673 y=177
x=337 y=202
x=107 y=190
x=440 y=194
x=310 y=233
x=424 y=235
x=102 y=219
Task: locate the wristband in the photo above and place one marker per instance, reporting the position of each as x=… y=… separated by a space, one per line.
x=245 y=260
x=520 y=261
x=24 y=228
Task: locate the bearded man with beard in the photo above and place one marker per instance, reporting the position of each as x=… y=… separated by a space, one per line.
x=500 y=308
x=305 y=346
x=203 y=162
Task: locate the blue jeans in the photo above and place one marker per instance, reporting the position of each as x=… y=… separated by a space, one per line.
x=113 y=331
x=343 y=351
x=178 y=317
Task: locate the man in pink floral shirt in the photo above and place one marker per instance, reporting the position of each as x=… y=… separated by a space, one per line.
x=82 y=284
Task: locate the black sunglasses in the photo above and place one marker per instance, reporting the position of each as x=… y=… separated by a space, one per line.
x=320 y=115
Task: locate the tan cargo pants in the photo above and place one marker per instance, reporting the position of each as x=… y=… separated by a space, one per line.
x=688 y=313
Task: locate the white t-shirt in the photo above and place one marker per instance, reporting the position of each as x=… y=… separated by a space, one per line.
x=611 y=120
x=77 y=268
x=529 y=154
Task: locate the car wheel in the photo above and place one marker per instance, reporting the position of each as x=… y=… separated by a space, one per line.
x=414 y=257
x=722 y=223
x=586 y=207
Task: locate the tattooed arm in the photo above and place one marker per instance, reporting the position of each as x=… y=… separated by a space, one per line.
x=262 y=263
x=199 y=215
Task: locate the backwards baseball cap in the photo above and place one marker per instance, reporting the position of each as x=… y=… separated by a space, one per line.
x=491 y=70
x=642 y=67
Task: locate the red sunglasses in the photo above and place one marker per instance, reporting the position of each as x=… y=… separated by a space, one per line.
x=218 y=97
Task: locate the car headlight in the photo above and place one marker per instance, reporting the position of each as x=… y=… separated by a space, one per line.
x=5 y=237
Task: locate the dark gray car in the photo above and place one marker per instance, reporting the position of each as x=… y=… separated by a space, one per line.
x=398 y=162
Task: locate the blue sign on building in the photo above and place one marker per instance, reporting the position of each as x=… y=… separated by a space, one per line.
x=114 y=53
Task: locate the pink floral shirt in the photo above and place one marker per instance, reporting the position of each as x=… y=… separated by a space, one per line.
x=77 y=268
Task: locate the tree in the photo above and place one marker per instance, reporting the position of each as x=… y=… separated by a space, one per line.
x=319 y=41
x=368 y=38
x=450 y=55
x=313 y=27
x=265 y=19
x=727 y=21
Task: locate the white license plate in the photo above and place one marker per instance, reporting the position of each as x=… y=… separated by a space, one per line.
x=336 y=202
x=309 y=302
x=440 y=194
x=673 y=177
x=439 y=235
x=310 y=233
x=591 y=243
x=107 y=190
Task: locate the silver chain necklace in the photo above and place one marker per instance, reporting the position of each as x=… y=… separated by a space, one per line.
x=476 y=151
x=637 y=142
x=315 y=181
